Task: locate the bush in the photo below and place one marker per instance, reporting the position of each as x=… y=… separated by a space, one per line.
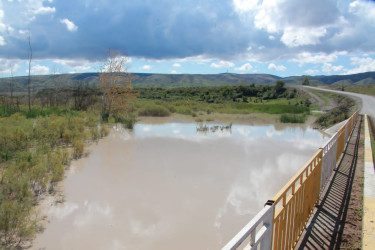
x=286 y=118
x=156 y=110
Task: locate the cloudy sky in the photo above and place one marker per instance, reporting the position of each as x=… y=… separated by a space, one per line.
x=280 y=37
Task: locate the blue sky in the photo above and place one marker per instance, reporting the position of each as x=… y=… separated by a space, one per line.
x=280 y=37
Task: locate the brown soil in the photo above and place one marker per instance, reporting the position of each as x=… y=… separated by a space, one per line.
x=352 y=234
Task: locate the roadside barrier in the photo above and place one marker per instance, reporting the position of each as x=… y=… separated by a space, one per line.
x=368 y=227
x=282 y=220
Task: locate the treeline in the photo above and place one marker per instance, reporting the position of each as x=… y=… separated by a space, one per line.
x=240 y=93
x=80 y=97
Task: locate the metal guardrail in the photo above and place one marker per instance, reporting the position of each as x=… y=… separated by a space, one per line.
x=281 y=222
x=295 y=202
x=261 y=237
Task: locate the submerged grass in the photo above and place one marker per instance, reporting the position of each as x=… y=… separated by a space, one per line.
x=35 y=149
x=292 y=118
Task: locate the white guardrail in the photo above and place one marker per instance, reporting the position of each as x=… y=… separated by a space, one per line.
x=259 y=232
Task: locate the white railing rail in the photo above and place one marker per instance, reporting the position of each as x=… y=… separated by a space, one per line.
x=328 y=160
x=262 y=237
x=259 y=232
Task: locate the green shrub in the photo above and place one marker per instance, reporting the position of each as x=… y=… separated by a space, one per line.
x=155 y=110
x=103 y=130
x=287 y=118
x=184 y=110
x=78 y=147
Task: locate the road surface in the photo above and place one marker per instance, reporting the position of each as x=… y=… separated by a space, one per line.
x=368 y=102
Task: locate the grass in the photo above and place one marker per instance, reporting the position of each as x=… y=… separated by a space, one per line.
x=321 y=95
x=338 y=114
x=368 y=89
x=154 y=110
x=192 y=107
x=291 y=118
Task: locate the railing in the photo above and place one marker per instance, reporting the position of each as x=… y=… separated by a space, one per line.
x=258 y=231
x=295 y=202
x=280 y=223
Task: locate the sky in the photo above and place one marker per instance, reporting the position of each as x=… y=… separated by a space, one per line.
x=279 y=37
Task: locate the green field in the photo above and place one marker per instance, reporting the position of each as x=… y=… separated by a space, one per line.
x=361 y=89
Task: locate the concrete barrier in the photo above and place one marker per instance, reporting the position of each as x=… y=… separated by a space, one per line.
x=368 y=220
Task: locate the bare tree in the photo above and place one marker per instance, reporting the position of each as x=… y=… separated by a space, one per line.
x=11 y=87
x=29 y=79
x=115 y=83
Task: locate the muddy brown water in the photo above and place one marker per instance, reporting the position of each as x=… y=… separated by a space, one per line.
x=167 y=186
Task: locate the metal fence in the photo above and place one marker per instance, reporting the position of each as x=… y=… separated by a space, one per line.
x=281 y=222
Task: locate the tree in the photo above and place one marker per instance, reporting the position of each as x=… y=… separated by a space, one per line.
x=306 y=81
x=29 y=79
x=115 y=83
x=11 y=89
x=279 y=87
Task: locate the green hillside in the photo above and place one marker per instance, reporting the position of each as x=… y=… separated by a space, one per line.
x=184 y=80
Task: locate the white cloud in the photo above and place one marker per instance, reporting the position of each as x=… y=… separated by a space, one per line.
x=311 y=71
x=363 y=64
x=62 y=212
x=44 y=10
x=39 y=70
x=294 y=37
x=2 y=41
x=222 y=64
x=174 y=72
x=301 y=22
x=78 y=65
x=273 y=66
x=245 y=67
x=8 y=65
x=146 y=67
x=245 y=5
x=328 y=68
x=176 y=65
x=90 y=213
x=69 y=25
x=271 y=37
x=306 y=57
x=363 y=9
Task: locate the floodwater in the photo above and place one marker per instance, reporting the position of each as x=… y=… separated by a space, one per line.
x=169 y=186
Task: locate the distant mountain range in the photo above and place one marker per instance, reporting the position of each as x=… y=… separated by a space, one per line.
x=185 y=80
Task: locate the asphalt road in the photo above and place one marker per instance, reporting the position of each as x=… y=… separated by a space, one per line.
x=367 y=102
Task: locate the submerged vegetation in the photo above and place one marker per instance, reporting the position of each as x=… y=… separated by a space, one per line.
x=34 y=155
x=205 y=128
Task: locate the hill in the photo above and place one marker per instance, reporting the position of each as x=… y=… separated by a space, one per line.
x=184 y=80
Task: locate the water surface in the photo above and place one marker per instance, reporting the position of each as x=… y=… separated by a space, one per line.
x=168 y=186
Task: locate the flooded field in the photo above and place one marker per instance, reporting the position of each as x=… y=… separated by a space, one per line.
x=171 y=186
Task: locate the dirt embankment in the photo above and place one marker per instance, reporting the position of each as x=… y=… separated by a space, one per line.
x=325 y=102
